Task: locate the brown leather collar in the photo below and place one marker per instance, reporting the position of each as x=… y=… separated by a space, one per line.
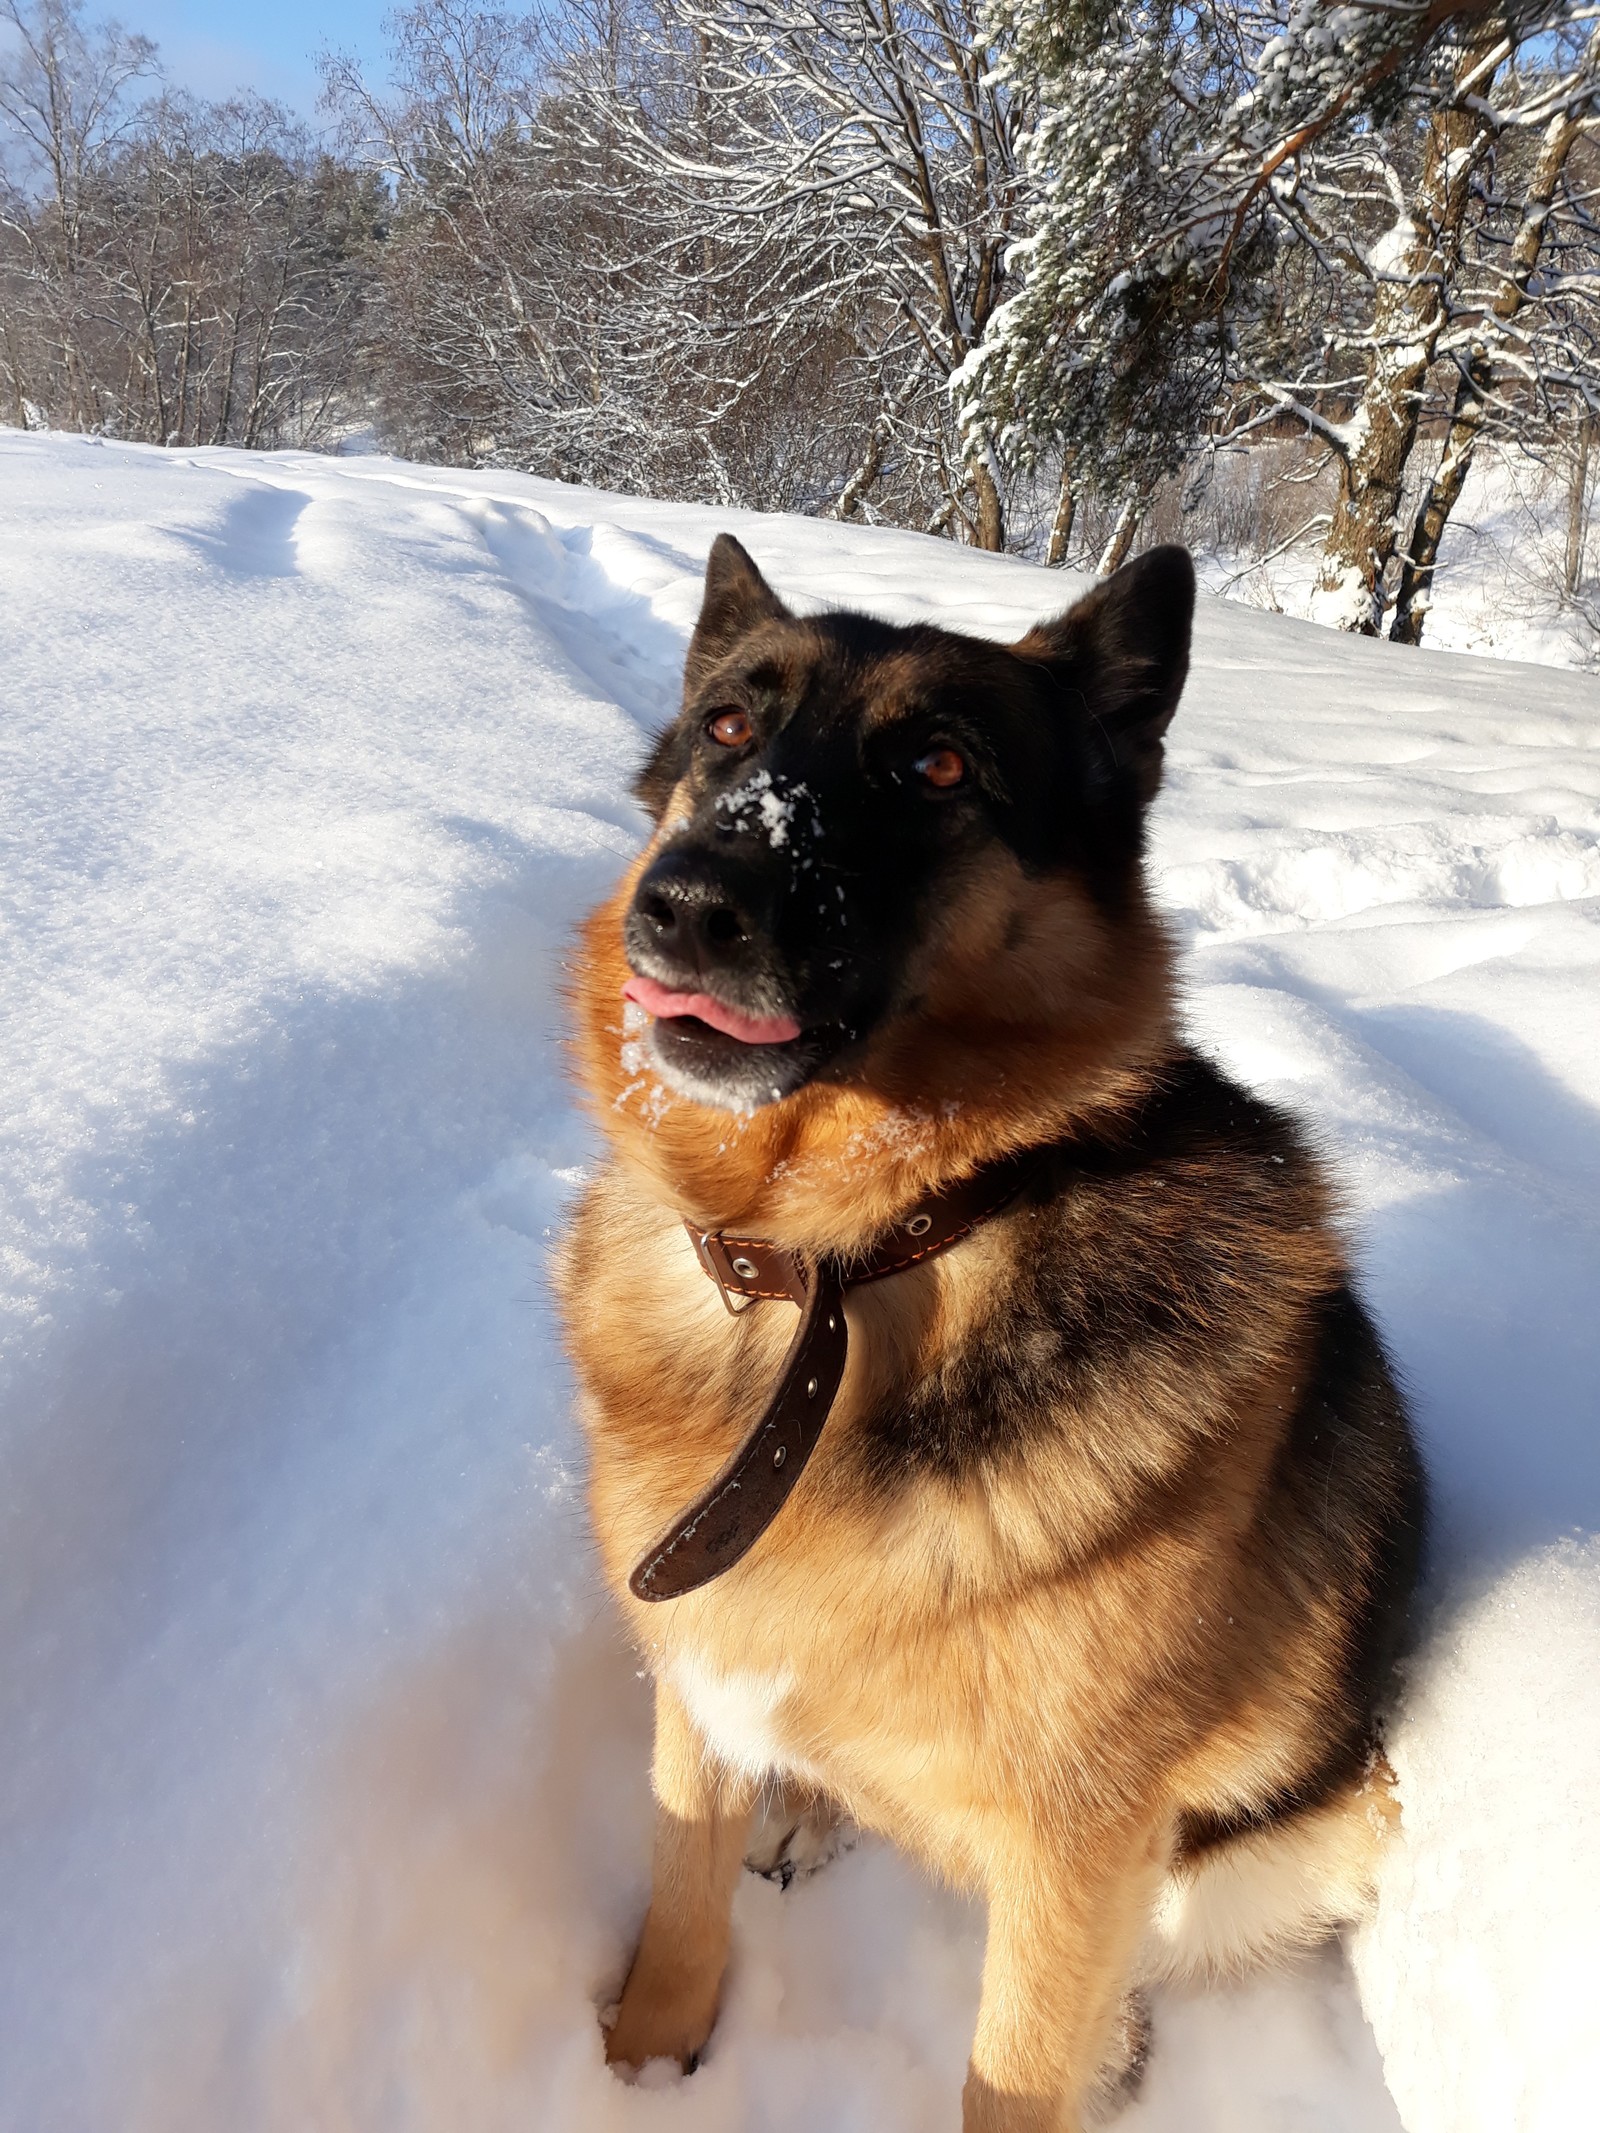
x=727 y=1519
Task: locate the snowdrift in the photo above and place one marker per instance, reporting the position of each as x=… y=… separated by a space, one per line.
x=324 y=1800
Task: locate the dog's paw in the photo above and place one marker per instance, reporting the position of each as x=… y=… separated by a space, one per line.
x=654 y=2074
x=795 y=1837
x=644 y=2044
x=658 y=2031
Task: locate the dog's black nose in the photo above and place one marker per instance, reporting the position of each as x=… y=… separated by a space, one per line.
x=695 y=914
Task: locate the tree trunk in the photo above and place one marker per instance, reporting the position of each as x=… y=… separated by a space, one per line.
x=230 y=371
x=1415 y=591
x=1061 y=525
x=990 y=528
x=185 y=349
x=1115 y=552
x=849 y=498
x=1409 y=313
x=1578 y=506
x=1476 y=382
x=14 y=372
x=153 y=341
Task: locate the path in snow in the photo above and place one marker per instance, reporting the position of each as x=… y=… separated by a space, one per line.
x=324 y=1801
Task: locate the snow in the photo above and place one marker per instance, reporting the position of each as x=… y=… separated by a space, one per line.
x=1498 y=591
x=325 y=1801
x=1345 y=603
x=1536 y=2036
x=1394 y=254
x=774 y=810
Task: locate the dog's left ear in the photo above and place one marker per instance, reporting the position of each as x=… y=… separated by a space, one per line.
x=737 y=598
x=1124 y=652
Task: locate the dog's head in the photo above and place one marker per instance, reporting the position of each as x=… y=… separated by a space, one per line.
x=859 y=826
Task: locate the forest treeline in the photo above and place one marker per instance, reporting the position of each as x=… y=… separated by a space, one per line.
x=1022 y=272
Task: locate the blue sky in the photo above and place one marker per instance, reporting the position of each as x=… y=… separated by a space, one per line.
x=216 y=46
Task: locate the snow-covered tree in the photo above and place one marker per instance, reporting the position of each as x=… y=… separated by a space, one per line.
x=478 y=345
x=66 y=101
x=1524 y=334
x=538 y=306
x=1242 y=213
x=1099 y=357
x=843 y=168
x=170 y=270
x=1397 y=303
x=1156 y=161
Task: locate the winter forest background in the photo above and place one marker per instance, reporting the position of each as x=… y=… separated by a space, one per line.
x=1288 y=280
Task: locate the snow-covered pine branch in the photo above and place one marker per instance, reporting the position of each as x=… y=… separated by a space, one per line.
x=1234 y=204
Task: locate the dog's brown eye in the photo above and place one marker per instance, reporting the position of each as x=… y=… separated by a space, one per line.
x=941 y=767
x=731 y=728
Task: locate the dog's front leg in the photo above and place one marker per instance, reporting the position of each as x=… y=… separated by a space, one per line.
x=702 y=1818
x=1064 y=1926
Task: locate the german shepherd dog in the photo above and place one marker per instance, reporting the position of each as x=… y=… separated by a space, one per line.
x=1090 y=1593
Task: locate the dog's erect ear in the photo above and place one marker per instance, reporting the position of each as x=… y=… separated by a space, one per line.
x=737 y=597
x=1124 y=651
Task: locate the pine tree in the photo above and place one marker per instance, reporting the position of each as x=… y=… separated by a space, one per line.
x=1180 y=160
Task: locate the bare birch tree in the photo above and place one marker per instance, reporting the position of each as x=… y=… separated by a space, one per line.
x=1525 y=320
x=513 y=323
x=847 y=166
x=66 y=103
x=1409 y=270
x=170 y=270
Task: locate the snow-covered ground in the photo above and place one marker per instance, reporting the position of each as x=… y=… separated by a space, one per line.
x=1499 y=591
x=323 y=1800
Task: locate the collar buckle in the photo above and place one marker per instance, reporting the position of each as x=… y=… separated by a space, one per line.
x=726 y=1272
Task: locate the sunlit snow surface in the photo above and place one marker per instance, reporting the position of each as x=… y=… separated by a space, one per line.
x=323 y=1786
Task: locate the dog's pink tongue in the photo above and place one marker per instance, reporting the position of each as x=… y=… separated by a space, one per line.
x=749 y=1029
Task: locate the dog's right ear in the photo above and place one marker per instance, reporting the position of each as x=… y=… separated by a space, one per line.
x=737 y=597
